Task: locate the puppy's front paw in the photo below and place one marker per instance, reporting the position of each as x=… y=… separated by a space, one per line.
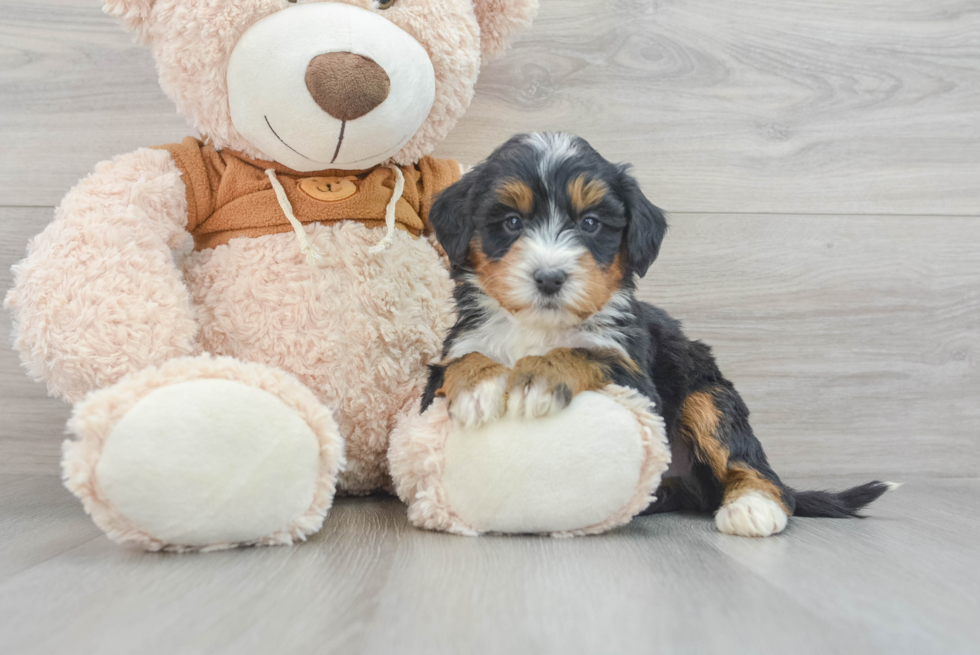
x=474 y=387
x=753 y=514
x=536 y=390
x=481 y=404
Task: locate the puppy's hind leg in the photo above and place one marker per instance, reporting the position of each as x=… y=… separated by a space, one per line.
x=753 y=500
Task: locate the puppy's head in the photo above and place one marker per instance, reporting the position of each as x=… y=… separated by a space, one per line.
x=548 y=228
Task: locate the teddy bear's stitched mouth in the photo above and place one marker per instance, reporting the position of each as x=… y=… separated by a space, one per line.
x=336 y=152
x=294 y=149
x=343 y=125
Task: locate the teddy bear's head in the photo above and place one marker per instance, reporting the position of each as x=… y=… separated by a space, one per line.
x=312 y=84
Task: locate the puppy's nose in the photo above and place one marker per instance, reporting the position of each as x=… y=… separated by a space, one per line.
x=345 y=85
x=549 y=282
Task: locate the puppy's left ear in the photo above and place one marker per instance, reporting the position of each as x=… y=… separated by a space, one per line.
x=452 y=218
x=646 y=226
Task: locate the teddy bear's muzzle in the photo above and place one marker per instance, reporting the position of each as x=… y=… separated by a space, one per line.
x=346 y=85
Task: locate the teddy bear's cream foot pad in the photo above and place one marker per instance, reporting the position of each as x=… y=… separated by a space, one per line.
x=207 y=460
x=588 y=468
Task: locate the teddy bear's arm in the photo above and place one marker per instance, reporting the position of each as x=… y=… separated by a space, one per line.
x=99 y=294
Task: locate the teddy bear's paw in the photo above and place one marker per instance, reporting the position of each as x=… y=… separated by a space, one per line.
x=483 y=403
x=753 y=514
x=533 y=396
x=204 y=453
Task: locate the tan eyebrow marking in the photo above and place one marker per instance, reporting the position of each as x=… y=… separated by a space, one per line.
x=586 y=193
x=517 y=194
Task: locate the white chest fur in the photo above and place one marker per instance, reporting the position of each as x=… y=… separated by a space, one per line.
x=505 y=339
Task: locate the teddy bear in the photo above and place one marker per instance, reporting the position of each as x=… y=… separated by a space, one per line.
x=242 y=318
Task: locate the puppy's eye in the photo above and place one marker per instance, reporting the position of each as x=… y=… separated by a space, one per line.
x=386 y=4
x=513 y=223
x=590 y=224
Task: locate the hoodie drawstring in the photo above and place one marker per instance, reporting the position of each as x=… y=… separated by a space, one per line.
x=307 y=247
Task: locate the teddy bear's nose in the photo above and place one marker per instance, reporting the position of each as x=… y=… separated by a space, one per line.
x=345 y=85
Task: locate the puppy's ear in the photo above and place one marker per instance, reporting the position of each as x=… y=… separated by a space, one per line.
x=452 y=218
x=646 y=226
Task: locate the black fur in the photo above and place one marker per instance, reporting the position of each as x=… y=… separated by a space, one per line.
x=671 y=366
x=842 y=505
x=468 y=210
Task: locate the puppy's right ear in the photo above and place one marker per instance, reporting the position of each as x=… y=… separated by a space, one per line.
x=452 y=217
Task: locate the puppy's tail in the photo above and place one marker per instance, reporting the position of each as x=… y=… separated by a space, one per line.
x=840 y=505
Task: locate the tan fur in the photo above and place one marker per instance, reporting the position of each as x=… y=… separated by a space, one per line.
x=466 y=373
x=493 y=274
x=699 y=424
x=570 y=367
x=600 y=285
x=741 y=479
x=700 y=418
x=586 y=194
x=516 y=194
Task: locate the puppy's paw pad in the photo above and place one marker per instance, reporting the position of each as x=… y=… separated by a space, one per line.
x=481 y=404
x=751 y=515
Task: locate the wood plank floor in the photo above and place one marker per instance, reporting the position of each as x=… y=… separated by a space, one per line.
x=903 y=581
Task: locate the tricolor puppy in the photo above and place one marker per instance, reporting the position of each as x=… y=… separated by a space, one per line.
x=546 y=240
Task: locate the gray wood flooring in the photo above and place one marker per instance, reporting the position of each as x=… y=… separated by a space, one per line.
x=903 y=581
x=821 y=164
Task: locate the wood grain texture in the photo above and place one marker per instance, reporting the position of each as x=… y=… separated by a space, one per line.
x=756 y=106
x=854 y=340
x=32 y=424
x=39 y=519
x=901 y=581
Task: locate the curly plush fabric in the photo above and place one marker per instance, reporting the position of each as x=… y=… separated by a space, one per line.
x=99 y=295
x=499 y=20
x=358 y=329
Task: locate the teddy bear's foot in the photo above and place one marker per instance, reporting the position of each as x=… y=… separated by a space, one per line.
x=584 y=470
x=204 y=453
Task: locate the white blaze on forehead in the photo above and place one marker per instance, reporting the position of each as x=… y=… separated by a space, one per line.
x=553 y=148
x=551 y=246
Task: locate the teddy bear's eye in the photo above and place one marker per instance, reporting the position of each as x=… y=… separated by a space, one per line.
x=386 y=4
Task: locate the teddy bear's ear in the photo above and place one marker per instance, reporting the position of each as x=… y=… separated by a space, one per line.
x=135 y=14
x=500 y=20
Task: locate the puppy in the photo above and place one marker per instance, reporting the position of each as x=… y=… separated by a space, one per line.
x=546 y=240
